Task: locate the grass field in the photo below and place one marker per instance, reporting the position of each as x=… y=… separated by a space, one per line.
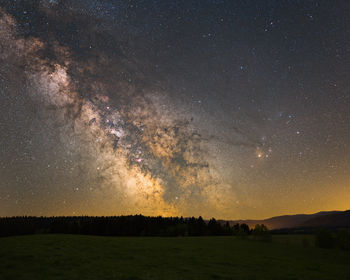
x=294 y=239
x=91 y=257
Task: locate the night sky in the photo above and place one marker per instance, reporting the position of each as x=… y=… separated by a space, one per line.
x=226 y=109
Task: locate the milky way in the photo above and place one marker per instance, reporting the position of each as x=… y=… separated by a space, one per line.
x=115 y=109
x=145 y=153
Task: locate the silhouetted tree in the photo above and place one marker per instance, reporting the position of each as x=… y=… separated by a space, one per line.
x=214 y=227
x=261 y=232
x=235 y=229
x=227 y=230
x=244 y=230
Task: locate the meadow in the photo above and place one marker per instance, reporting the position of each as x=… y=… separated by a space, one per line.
x=93 y=257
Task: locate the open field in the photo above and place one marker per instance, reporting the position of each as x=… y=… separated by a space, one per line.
x=93 y=257
x=294 y=239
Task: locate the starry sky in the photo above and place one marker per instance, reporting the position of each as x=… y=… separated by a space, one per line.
x=226 y=109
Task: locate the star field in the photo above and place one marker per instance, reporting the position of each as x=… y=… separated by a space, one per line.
x=232 y=109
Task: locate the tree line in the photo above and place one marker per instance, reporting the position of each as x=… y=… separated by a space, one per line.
x=135 y=225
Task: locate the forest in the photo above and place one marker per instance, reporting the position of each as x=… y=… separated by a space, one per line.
x=133 y=225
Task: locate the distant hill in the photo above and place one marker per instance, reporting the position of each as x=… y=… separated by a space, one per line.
x=337 y=219
x=320 y=219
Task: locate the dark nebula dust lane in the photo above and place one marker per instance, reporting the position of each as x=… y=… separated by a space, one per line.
x=212 y=108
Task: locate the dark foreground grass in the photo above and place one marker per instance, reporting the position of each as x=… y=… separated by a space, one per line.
x=91 y=257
